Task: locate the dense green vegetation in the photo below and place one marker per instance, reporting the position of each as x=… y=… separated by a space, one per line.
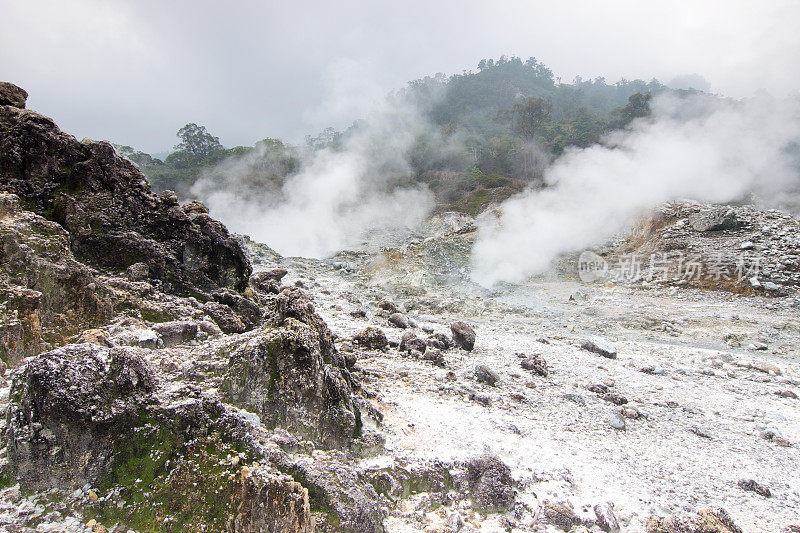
x=507 y=121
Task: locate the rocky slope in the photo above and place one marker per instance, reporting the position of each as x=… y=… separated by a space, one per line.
x=154 y=384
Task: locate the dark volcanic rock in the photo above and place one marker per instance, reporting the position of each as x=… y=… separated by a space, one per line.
x=560 y=515
x=372 y=337
x=106 y=205
x=440 y=341
x=490 y=484
x=536 y=364
x=463 y=335
x=12 y=95
x=410 y=341
x=753 y=486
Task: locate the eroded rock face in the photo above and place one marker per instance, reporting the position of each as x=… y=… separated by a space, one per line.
x=290 y=374
x=46 y=294
x=106 y=205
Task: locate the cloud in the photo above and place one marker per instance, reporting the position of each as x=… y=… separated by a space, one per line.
x=699 y=147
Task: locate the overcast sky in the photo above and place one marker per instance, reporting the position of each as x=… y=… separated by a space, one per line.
x=135 y=71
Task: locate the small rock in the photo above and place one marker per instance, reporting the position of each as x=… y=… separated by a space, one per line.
x=372 y=337
x=616 y=420
x=560 y=515
x=409 y=342
x=12 y=95
x=616 y=399
x=439 y=341
x=463 y=335
x=536 y=364
x=575 y=398
x=655 y=370
x=601 y=347
x=787 y=394
x=388 y=305
x=398 y=320
x=491 y=486
x=631 y=412
x=752 y=486
x=484 y=374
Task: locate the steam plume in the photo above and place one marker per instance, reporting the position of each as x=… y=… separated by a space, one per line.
x=697 y=147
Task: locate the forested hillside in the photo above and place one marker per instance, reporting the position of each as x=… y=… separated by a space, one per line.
x=507 y=120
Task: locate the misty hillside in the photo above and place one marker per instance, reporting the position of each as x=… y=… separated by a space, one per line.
x=501 y=124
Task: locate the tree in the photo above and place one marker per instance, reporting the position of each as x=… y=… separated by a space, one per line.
x=529 y=115
x=638 y=107
x=196 y=142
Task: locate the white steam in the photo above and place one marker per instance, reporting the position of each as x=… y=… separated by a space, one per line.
x=337 y=195
x=697 y=147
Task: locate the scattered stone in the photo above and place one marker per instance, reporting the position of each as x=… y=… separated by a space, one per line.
x=597 y=388
x=752 y=486
x=372 y=337
x=655 y=370
x=490 y=484
x=714 y=520
x=398 y=320
x=409 y=341
x=388 y=305
x=482 y=399
x=631 y=412
x=787 y=394
x=434 y=356
x=560 y=515
x=616 y=399
x=463 y=335
x=439 y=341
x=601 y=347
x=484 y=374
x=536 y=364
x=616 y=420
x=575 y=398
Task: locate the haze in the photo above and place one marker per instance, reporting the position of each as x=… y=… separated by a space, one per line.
x=136 y=71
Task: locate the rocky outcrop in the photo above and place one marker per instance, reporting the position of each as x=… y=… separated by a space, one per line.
x=491 y=486
x=12 y=95
x=161 y=459
x=106 y=205
x=46 y=294
x=290 y=374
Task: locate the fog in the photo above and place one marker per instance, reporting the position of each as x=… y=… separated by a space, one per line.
x=134 y=72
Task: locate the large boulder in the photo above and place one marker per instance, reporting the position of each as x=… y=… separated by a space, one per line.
x=12 y=95
x=105 y=203
x=289 y=372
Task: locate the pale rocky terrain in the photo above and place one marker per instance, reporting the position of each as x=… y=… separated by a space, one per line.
x=161 y=374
